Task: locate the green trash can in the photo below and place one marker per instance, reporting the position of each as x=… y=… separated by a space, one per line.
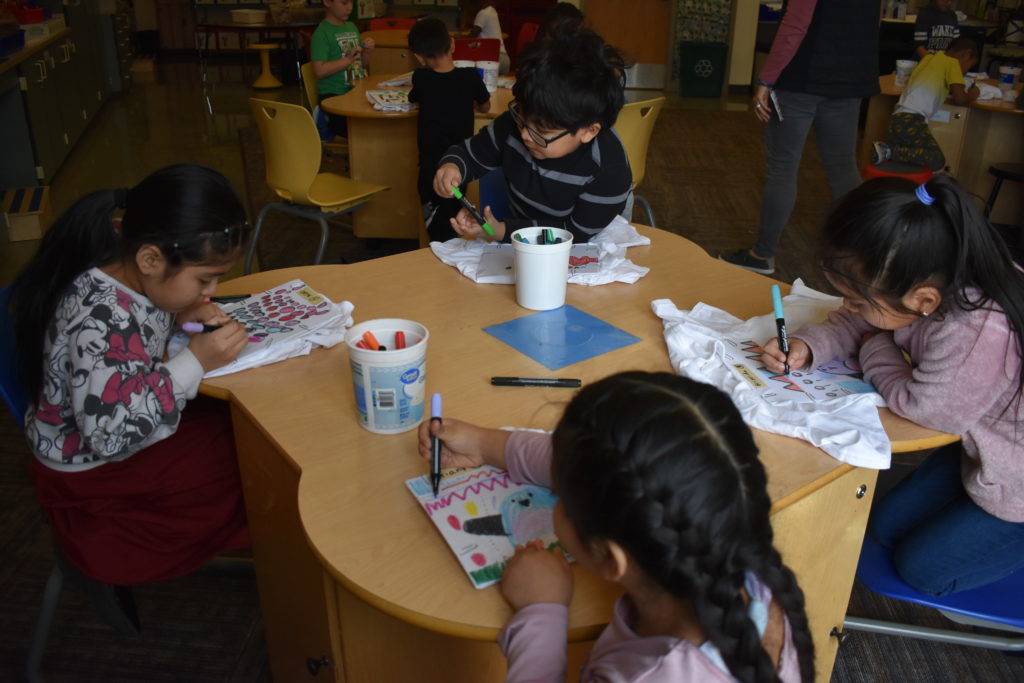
x=701 y=68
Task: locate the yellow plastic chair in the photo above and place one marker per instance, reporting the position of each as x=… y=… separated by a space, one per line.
x=634 y=126
x=292 y=149
x=339 y=145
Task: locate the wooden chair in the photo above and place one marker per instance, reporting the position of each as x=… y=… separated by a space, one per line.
x=391 y=23
x=292 y=149
x=338 y=145
x=634 y=126
x=998 y=606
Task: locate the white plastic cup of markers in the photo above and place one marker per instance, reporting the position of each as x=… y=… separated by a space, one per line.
x=904 y=67
x=489 y=73
x=542 y=270
x=1008 y=77
x=389 y=385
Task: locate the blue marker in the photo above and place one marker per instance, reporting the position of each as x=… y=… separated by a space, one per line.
x=435 y=445
x=780 y=324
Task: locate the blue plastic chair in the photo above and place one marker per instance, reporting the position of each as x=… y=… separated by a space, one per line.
x=998 y=606
x=12 y=384
x=494 y=194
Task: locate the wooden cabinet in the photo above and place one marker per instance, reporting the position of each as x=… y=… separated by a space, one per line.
x=948 y=127
x=392 y=60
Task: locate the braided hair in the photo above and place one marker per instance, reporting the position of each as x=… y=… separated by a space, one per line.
x=666 y=468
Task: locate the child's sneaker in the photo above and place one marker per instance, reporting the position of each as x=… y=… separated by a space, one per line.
x=744 y=259
x=880 y=153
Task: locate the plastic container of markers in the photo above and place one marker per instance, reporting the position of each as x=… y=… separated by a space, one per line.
x=389 y=385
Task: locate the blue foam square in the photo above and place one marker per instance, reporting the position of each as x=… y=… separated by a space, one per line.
x=561 y=336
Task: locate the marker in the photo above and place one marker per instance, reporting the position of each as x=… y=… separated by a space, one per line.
x=363 y=345
x=399 y=340
x=199 y=327
x=230 y=298
x=371 y=341
x=780 y=324
x=536 y=382
x=549 y=236
x=472 y=210
x=520 y=238
x=435 y=445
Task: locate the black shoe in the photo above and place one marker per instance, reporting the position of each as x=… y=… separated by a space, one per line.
x=744 y=259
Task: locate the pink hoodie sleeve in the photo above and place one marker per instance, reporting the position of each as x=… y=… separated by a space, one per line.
x=528 y=457
x=534 y=643
x=787 y=41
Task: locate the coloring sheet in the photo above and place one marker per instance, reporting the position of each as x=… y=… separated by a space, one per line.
x=282 y=322
x=390 y=100
x=824 y=383
x=496 y=261
x=483 y=515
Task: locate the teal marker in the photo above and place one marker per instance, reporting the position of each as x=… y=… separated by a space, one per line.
x=472 y=210
x=780 y=324
x=549 y=236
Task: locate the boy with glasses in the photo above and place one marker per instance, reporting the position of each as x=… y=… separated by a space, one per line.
x=563 y=164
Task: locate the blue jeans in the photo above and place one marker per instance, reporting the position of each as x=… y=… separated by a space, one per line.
x=835 y=128
x=942 y=542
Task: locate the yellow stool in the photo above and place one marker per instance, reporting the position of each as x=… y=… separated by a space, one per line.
x=266 y=79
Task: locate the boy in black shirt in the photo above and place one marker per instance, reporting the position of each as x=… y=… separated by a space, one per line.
x=448 y=99
x=935 y=28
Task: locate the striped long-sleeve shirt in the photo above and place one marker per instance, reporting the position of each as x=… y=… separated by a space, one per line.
x=581 y=192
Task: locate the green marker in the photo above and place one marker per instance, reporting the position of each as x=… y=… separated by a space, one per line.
x=472 y=210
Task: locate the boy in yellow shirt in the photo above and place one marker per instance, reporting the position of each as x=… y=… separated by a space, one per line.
x=937 y=76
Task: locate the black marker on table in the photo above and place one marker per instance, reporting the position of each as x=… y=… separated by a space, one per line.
x=536 y=382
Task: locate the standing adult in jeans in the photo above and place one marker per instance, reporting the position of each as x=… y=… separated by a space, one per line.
x=823 y=62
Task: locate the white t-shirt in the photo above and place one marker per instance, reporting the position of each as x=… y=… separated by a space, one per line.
x=490 y=27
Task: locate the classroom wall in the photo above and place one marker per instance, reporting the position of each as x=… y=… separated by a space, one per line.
x=741 y=42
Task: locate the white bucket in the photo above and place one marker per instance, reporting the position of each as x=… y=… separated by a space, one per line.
x=904 y=67
x=542 y=270
x=389 y=385
x=489 y=72
x=1008 y=77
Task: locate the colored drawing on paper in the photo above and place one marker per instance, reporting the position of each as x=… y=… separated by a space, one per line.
x=827 y=381
x=278 y=311
x=482 y=515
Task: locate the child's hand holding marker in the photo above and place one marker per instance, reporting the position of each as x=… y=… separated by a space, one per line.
x=463 y=444
x=775 y=360
x=216 y=344
x=447 y=177
x=464 y=226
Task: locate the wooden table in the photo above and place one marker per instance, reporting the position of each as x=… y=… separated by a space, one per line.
x=974 y=138
x=350 y=569
x=382 y=150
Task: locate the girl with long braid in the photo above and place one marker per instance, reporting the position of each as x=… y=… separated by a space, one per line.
x=661 y=491
x=933 y=306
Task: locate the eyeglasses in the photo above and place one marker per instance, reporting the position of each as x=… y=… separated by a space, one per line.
x=521 y=123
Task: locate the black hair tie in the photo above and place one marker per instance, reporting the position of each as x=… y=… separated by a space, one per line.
x=121 y=198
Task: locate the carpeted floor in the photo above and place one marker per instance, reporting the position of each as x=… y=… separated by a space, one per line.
x=703 y=180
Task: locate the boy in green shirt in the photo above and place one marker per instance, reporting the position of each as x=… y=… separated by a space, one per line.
x=338 y=56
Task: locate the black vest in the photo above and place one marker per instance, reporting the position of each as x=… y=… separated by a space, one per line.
x=839 y=55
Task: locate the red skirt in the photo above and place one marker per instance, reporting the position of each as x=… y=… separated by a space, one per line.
x=162 y=513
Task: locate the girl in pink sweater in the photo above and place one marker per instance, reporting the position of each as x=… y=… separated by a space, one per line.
x=661 y=491
x=934 y=307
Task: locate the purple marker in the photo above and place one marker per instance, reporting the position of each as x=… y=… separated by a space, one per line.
x=435 y=445
x=199 y=327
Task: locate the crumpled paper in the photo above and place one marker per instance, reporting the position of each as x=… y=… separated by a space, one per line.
x=847 y=428
x=612 y=241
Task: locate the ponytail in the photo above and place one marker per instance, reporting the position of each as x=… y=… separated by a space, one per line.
x=83 y=237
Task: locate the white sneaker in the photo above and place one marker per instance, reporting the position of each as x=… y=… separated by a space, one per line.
x=880 y=153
